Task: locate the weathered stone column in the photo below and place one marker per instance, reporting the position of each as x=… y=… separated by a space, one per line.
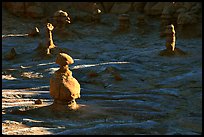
x=64 y=88
x=124 y=22
x=50 y=43
x=170 y=37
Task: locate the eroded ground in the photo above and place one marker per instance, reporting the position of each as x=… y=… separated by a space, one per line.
x=126 y=88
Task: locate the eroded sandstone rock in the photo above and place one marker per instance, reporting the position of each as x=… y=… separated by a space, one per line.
x=171 y=48
x=50 y=44
x=61 y=18
x=48 y=48
x=124 y=24
x=64 y=88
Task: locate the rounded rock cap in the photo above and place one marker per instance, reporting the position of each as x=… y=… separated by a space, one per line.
x=64 y=59
x=61 y=13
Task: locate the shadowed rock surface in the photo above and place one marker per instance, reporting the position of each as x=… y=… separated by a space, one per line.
x=171 y=49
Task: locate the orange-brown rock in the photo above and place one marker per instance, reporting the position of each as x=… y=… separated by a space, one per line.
x=38 y=101
x=64 y=88
x=63 y=59
x=61 y=18
x=50 y=43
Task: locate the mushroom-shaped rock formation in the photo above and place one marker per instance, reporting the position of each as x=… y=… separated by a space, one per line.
x=61 y=18
x=64 y=88
x=61 y=21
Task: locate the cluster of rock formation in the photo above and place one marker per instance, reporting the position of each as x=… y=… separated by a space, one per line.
x=64 y=88
x=185 y=12
x=181 y=14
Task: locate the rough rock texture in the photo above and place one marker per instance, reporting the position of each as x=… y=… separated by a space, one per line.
x=124 y=24
x=171 y=48
x=148 y=7
x=64 y=88
x=35 y=11
x=107 y=6
x=60 y=20
x=26 y=9
x=64 y=59
x=170 y=37
x=50 y=44
x=139 y=6
x=121 y=7
x=84 y=6
x=16 y=8
x=186 y=18
x=158 y=8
